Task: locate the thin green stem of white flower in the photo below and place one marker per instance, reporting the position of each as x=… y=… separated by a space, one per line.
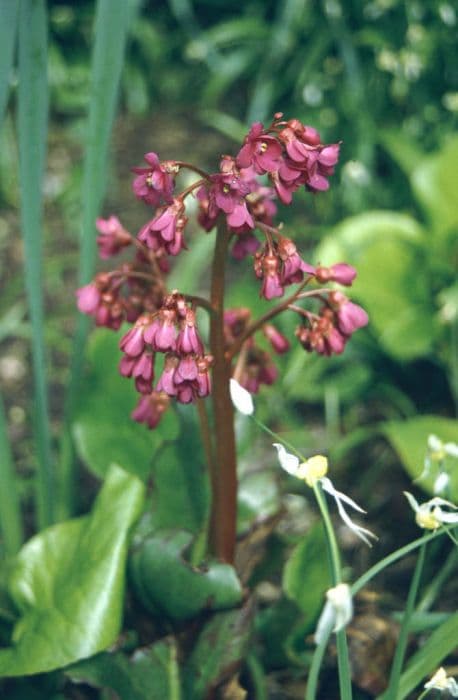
x=336 y=573
x=391 y=558
x=398 y=661
x=277 y=437
x=315 y=666
x=334 y=554
x=449 y=532
x=437 y=583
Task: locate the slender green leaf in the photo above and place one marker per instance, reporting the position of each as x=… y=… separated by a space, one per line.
x=401 y=647
x=423 y=664
x=32 y=125
x=68 y=583
x=10 y=512
x=110 y=33
x=8 y=28
x=287 y=22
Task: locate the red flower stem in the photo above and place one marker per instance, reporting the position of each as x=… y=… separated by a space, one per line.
x=270 y=230
x=199 y=301
x=224 y=471
x=193 y=168
x=206 y=433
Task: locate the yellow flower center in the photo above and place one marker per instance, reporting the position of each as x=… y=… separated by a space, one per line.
x=427 y=519
x=313 y=469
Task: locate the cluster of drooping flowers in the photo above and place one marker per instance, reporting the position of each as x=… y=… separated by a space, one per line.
x=271 y=165
x=255 y=366
x=172 y=330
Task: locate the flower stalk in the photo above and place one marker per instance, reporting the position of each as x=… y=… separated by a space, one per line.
x=223 y=469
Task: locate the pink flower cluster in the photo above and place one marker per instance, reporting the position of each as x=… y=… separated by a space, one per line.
x=172 y=331
x=286 y=155
x=258 y=367
x=328 y=332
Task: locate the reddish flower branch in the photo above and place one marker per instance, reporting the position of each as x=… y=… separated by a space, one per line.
x=224 y=470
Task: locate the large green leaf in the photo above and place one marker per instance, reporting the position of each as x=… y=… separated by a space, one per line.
x=219 y=651
x=167 y=583
x=305 y=579
x=8 y=27
x=350 y=239
x=68 y=583
x=181 y=495
x=257 y=499
x=434 y=182
x=386 y=249
x=151 y=672
x=409 y=438
x=396 y=298
x=103 y=430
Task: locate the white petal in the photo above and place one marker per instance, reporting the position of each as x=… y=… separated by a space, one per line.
x=361 y=532
x=441 y=483
x=434 y=443
x=326 y=622
x=412 y=501
x=451 y=448
x=329 y=487
x=241 y=398
x=444 y=517
x=288 y=462
x=438 y=501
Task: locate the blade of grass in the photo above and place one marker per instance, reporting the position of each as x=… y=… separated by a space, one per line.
x=8 y=28
x=287 y=22
x=32 y=128
x=401 y=647
x=111 y=26
x=10 y=512
x=184 y=14
x=427 y=659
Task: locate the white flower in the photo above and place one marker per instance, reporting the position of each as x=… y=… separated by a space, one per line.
x=241 y=398
x=314 y=470
x=440 y=681
x=288 y=462
x=441 y=483
x=438 y=449
x=337 y=611
x=430 y=515
x=436 y=455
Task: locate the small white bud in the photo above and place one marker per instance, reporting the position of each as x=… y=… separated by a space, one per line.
x=241 y=398
x=440 y=681
x=337 y=611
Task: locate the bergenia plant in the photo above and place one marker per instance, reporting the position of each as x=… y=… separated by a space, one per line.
x=163 y=352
